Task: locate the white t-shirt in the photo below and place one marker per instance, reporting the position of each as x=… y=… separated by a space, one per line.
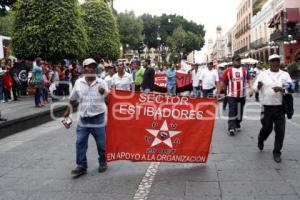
x=122 y=83
x=91 y=102
x=271 y=80
x=196 y=77
x=209 y=78
x=108 y=80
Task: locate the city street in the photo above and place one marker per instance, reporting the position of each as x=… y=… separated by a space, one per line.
x=36 y=164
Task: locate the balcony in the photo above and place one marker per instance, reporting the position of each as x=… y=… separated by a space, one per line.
x=241 y=50
x=259 y=43
x=277 y=35
x=280 y=35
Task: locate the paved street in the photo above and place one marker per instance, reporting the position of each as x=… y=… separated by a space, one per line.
x=36 y=164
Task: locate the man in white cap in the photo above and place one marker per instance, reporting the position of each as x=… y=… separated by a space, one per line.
x=271 y=83
x=89 y=93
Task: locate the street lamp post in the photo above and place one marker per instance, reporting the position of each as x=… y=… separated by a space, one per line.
x=158 y=41
x=290 y=41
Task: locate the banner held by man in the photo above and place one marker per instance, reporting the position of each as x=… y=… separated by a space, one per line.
x=159 y=128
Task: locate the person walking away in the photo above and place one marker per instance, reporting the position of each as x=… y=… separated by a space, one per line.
x=139 y=73
x=148 y=77
x=122 y=80
x=89 y=93
x=270 y=83
x=171 y=80
x=196 y=73
x=38 y=81
x=235 y=79
x=209 y=79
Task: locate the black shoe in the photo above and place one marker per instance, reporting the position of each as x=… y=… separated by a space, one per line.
x=260 y=144
x=3 y=120
x=78 y=171
x=277 y=158
x=102 y=167
x=231 y=132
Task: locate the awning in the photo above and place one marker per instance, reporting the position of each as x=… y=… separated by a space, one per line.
x=275 y=20
x=293 y=14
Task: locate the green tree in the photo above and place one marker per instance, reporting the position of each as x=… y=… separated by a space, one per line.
x=6 y=24
x=4 y=4
x=184 y=42
x=151 y=24
x=102 y=30
x=131 y=30
x=167 y=25
x=177 y=41
x=52 y=35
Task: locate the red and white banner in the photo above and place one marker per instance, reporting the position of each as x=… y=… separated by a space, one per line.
x=159 y=128
x=183 y=82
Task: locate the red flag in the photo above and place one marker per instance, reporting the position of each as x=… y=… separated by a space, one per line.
x=159 y=128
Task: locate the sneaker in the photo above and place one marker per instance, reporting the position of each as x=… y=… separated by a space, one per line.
x=102 y=167
x=238 y=129
x=78 y=171
x=260 y=144
x=277 y=158
x=231 y=132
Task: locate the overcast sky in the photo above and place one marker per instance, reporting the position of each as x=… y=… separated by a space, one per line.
x=211 y=13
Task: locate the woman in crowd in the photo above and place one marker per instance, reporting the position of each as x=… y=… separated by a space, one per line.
x=38 y=81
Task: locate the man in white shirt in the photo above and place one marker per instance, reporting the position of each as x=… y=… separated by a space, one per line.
x=196 y=72
x=209 y=79
x=89 y=93
x=271 y=82
x=122 y=80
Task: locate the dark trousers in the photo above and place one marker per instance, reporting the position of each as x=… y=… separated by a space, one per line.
x=15 y=91
x=225 y=100
x=208 y=93
x=236 y=110
x=256 y=96
x=273 y=116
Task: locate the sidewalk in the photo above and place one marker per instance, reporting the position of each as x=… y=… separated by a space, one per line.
x=23 y=114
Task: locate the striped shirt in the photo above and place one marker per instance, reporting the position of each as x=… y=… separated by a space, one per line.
x=236 y=79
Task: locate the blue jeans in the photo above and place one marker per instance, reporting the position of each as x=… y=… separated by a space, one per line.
x=171 y=89
x=196 y=92
x=96 y=127
x=38 y=93
x=45 y=93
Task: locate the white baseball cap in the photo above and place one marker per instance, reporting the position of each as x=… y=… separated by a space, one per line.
x=274 y=56
x=89 y=61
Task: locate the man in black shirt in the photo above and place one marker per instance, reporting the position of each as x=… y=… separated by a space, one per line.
x=148 y=78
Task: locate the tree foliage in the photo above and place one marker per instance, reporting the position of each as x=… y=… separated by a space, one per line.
x=182 y=41
x=4 y=4
x=165 y=26
x=131 y=29
x=151 y=24
x=102 y=30
x=53 y=35
x=6 y=24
